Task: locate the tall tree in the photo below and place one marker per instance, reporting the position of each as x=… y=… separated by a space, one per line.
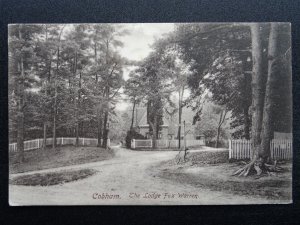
x=277 y=58
x=258 y=89
x=133 y=89
x=179 y=75
x=156 y=91
x=21 y=103
x=264 y=94
x=22 y=39
x=56 y=83
x=220 y=58
x=108 y=73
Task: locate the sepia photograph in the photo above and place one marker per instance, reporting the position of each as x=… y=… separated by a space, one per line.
x=150 y=114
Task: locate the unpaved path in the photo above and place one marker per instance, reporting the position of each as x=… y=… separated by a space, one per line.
x=127 y=180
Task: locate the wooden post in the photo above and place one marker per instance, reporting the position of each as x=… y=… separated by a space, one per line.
x=82 y=141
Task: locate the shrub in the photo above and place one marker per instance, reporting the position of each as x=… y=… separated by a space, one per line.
x=132 y=134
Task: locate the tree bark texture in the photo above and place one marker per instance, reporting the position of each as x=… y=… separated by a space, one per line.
x=273 y=58
x=55 y=101
x=132 y=116
x=180 y=93
x=21 y=104
x=246 y=123
x=257 y=86
x=221 y=121
x=154 y=131
x=105 y=129
x=99 y=127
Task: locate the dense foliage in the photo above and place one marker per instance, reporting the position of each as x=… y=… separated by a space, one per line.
x=64 y=80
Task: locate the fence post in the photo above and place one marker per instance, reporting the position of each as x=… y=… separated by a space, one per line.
x=82 y=141
x=133 y=143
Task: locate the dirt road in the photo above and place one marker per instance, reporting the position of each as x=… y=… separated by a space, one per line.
x=123 y=180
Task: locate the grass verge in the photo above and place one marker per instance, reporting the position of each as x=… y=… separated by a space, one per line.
x=61 y=156
x=53 y=178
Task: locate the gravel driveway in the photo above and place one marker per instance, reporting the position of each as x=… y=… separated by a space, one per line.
x=123 y=180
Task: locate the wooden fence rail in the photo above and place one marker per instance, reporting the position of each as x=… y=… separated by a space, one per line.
x=164 y=143
x=38 y=143
x=242 y=149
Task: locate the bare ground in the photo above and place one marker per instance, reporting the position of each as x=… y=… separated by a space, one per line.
x=126 y=179
x=211 y=170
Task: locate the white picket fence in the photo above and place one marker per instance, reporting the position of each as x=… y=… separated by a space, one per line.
x=280 y=149
x=161 y=143
x=38 y=143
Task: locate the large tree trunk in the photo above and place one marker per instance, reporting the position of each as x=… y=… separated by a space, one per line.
x=44 y=135
x=20 y=136
x=54 y=127
x=99 y=111
x=55 y=92
x=179 y=120
x=105 y=130
x=267 y=129
x=48 y=81
x=77 y=134
x=99 y=125
x=218 y=136
x=132 y=116
x=46 y=119
x=262 y=103
x=218 y=130
x=257 y=86
x=76 y=100
x=78 y=107
x=246 y=123
x=258 y=91
x=246 y=104
x=55 y=101
x=154 y=132
x=21 y=103
x=221 y=121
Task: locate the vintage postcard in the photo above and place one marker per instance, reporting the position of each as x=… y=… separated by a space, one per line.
x=150 y=114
